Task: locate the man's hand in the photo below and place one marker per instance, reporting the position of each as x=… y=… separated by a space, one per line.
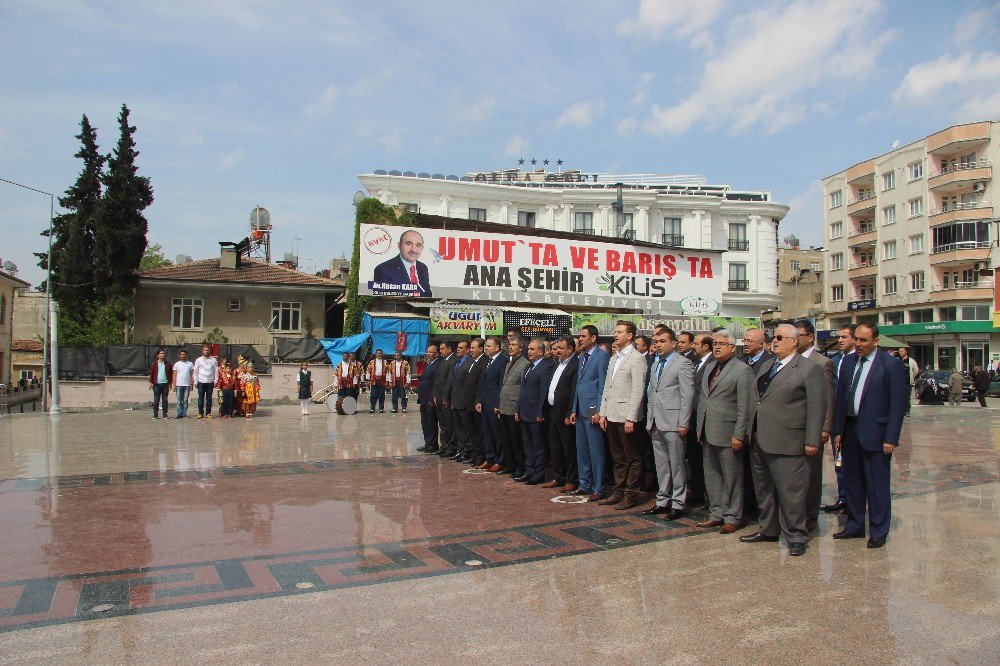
x=888 y=448
x=811 y=450
x=629 y=427
x=737 y=444
x=604 y=423
x=824 y=437
x=566 y=421
x=572 y=419
x=596 y=419
x=539 y=419
x=836 y=443
x=496 y=410
x=517 y=417
x=683 y=432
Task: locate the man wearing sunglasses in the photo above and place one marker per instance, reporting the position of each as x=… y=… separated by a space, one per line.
x=786 y=424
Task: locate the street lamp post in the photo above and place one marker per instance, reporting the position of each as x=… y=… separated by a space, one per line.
x=50 y=307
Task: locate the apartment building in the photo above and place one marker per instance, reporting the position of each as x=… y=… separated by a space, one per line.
x=675 y=211
x=911 y=245
x=800 y=282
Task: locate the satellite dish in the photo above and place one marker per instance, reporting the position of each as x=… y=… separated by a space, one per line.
x=359 y=196
x=895 y=144
x=9 y=266
x=260 y=219
x=182 y=259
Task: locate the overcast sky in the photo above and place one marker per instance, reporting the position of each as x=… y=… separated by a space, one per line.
x=283 y=104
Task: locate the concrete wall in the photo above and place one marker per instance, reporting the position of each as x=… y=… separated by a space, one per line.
x=125 y=392
x=29 y=315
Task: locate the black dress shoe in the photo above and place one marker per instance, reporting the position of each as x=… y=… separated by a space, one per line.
x=875 y=543
x=533 y=482
x=796 y=549
x=653 y=511
x=430 y=451
x=521 y=479
x=506 y=471
x=836 y=507
x=422 y=449
x=674 y=514
x=757 y=537
x=844 y=534
x=455 y=456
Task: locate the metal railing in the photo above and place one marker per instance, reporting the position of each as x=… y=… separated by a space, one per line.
x=584 y=230
x=868 y=263
x=862 y=230
x=969 y=205
x=976 y=284
x=739 y=285
x=961 y=245
x=964 y=166
x=738 y=244
x=864 y=197
x=672 y=239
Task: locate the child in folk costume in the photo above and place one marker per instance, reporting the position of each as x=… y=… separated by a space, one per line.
x=398 y=378
x=305 y=387
x=238 y=371
x=227 y=389
x=251 y=390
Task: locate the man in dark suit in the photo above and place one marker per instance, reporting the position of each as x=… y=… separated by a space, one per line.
x=425 y=398
x=472 y=420
x=701 y=350
x=489 y=401
x=755 y=349
x=559 y=399
x=531 y=412
x=807 y=340
x=441 y=385
x=644 y=345
x=404 y=274
x=845 y=339
x=786 y=421
x=456 y=387
x=685 y=346
x=871 y=404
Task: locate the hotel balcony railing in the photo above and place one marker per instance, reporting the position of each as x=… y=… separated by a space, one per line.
x=676 y=240
x=964 y=166
x=584 y=230
x=739 y=285
x=737 y=244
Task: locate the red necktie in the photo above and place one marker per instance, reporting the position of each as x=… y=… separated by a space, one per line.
x=413 y=274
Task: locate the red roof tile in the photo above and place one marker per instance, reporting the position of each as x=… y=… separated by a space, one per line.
x=25 y=345
x=251 y=271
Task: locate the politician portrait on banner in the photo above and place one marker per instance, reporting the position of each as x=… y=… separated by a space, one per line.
x=416 y=262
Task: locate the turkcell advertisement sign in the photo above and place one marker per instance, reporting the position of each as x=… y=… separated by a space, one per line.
x=415 y=262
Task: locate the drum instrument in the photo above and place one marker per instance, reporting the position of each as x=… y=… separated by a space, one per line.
x=345 y=405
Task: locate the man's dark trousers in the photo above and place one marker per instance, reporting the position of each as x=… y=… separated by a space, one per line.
x=491 y=435
x=867 y=477
x=562 y=451
x=429 y=426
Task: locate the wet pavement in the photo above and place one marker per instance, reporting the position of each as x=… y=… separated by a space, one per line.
x=330 y=539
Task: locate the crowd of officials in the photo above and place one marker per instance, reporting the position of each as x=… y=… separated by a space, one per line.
x=678 y=413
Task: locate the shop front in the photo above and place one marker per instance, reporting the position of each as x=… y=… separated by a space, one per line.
x=943 y=345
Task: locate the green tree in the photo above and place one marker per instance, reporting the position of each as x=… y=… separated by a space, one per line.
x=153 y=257
x=122 y=227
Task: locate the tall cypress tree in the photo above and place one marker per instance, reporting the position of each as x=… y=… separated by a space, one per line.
x=121 y=230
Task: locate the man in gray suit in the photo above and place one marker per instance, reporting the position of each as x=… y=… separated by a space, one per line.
x=786 y=421
x=511 y=446
x=621 y=409
x=807 y=338
x=669 y=395
x=723 y=416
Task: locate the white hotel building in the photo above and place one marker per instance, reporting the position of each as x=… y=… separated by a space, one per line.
x=675 y=211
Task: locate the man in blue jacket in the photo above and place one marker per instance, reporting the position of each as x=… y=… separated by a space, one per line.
x=489 y=401
x=871 y=403
x=590 y=453
x=531 y=413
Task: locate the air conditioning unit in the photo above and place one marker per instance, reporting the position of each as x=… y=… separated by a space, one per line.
x=979 y=187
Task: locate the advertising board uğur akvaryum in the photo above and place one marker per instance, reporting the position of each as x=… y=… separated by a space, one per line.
x=416 y=262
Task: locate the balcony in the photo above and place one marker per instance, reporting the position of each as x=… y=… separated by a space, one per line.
x=974 y=210
x=861 y=173
x=675 y=240
x=960 y=253
x=980 y=290
x=866 y=235
x=958 y=138
x=861 y=205
x=862 y=269
x=739 y=245
x=960 y=174
x=584 y=230
x=739 y=285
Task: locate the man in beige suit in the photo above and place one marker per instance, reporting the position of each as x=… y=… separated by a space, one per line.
x=621 y=411
x=807 y=338
x=786 y=422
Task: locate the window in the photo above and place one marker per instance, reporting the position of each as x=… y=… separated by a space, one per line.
x=971 y=199
x=888 y=180
x=916 y=244
x=889 y=250
x=916 y=170
x=916 y=281
x=738 y=278
x=836 y=199
x=890 y=285
x=672 y=231
x=27 y=376
x=235 y=305
x=285 y=316
x=970 y=278
x=976 y=312
x=410 y=207
x=837 y=230
x=583 y=223
x=837 y=292
x=794 y=266
x=948 y=313
x=922 y=316
x=187 y=314
x=892 y=318
x=626 y=223
x=866 y=291
x=916 y=207
x=961 y=236
x=3 y=308
x=889 y=215
x=738 y=236
x=525 y=219
x=836 y=261
x=968 y=161
x=477 y=214
x=814 y=266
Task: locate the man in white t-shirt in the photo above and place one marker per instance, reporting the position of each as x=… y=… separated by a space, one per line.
x=206 y=376
x=183 y=372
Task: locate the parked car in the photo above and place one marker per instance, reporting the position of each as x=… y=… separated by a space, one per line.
x=931 y=387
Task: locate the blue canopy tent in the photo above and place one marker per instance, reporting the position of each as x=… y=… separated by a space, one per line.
x=384 y=329
x=336 y=347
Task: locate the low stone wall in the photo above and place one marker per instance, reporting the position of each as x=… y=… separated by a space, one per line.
x=133 y=392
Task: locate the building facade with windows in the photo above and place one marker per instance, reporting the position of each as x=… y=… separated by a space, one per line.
x=911 y=245
x=9 y=286
x=675 y=211
x=250 y=303
x=800 y=280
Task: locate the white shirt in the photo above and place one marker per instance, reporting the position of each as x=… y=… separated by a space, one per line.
x=183 y=371
x=206 y=370
x=619 y=357
x=809 y=352
x=345 y=368
x=704 y=359
x=861 y=382
x=779 y=364
x=555 y=379
x=378 y=368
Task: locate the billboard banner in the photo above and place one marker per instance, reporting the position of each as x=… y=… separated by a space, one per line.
x=605 y=323
x=416 y=262
x=451 y=321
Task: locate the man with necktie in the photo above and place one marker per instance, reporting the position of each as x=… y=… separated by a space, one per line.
x=845 y=342
x=586 y=403
x=457 y=415
x=512 y=447
x=807 y=340
x=442 y=384
x=466 y=397
x=871 y=404
x=531 y=412
x=488 y=403
x=425 y=398
x=562 y=435
x=404 y=274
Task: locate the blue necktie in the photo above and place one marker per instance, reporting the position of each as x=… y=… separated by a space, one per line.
x=659 y=368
